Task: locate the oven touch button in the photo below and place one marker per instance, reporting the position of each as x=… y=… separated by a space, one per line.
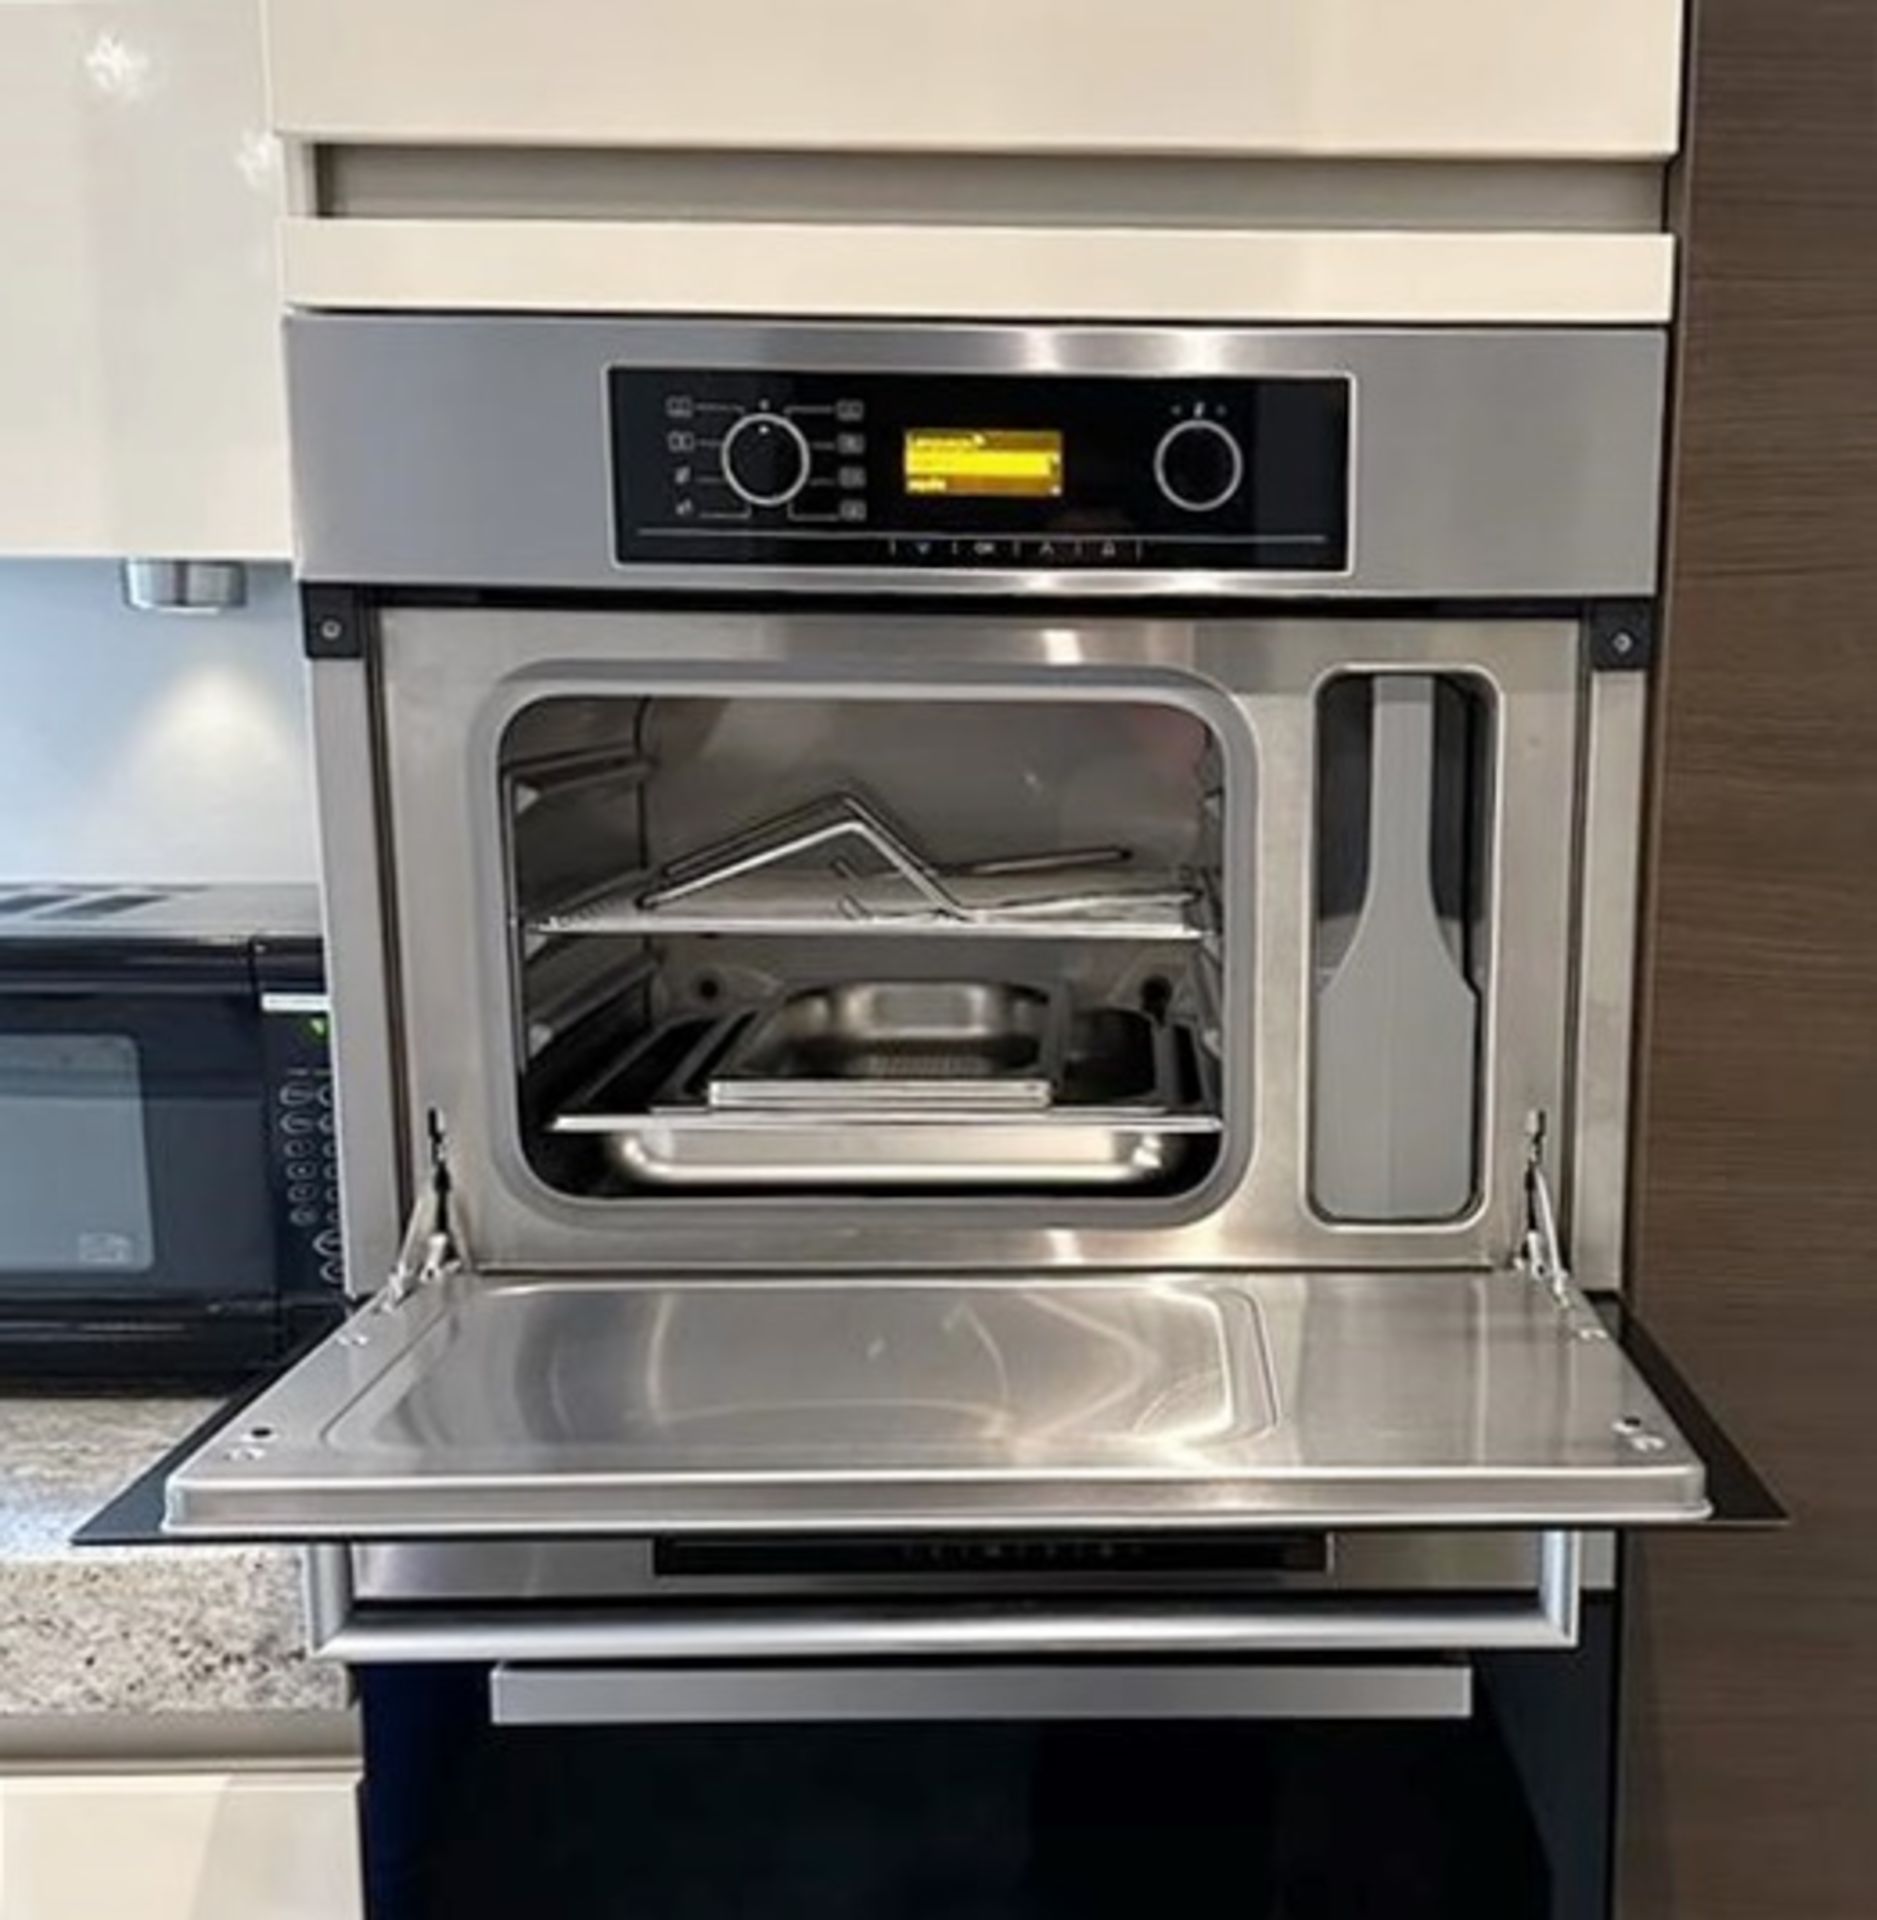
x=1199 y=465
x=765 y=459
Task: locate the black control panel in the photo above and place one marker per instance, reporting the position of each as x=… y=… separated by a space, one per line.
x=301 y=1127
x=996 y=472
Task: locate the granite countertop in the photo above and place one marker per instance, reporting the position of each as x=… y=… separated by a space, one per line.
x=133 y=1630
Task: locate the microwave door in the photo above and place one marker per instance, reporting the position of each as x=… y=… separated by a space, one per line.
x=133 y=1137
x=479 y=1406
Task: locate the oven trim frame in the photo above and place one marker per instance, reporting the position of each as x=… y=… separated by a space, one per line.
x=1544 y=1619
x=434 y=449
x=351 y=709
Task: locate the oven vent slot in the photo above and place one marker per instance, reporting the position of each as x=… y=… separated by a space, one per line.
x=77 y=905
x=549 y=775
x=988 y=1555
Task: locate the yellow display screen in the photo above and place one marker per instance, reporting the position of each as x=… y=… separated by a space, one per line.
x=977 y=462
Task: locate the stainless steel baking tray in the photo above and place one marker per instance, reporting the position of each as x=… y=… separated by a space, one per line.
x=892 y=1151
x=967 y=1045
x=1123 y=1106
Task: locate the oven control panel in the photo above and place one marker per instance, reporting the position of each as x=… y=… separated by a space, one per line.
x=990 y=472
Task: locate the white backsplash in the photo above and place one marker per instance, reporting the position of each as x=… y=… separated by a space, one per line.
x=138 y=746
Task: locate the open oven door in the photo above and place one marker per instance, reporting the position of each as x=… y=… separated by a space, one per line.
x=1008 y=1426
x=458 y=1404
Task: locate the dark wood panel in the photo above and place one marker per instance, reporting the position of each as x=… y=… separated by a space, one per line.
x=1751 y=1663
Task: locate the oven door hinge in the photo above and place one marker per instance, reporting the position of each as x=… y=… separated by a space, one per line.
x=429 y=1250
x=1540 y=1252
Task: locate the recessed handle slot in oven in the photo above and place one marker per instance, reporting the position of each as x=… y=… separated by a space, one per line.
x=1400 y=945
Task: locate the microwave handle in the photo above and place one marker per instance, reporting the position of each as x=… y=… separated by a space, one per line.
x=585 y=1696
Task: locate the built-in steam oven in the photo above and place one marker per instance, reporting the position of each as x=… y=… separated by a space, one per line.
x=973 y=964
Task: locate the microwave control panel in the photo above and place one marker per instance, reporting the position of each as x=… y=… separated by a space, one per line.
x=985 y=471
x=296 y=1045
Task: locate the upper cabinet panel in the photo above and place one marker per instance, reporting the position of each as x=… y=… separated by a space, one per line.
x=141 y=404
x=1551 y=79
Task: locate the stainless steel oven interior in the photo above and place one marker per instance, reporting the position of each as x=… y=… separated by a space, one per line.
x=878 y=1106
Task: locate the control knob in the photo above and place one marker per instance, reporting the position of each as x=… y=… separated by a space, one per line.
x=765 y=459
x=1198 y=465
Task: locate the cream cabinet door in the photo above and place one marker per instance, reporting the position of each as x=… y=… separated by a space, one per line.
x=141 y=405
x=1390 y=79
x=181 y=1846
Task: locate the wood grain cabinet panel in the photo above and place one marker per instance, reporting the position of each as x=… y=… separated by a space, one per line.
x=1751 y=1667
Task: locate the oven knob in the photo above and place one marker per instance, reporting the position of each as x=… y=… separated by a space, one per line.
x=765 y=459
x=1199 y=465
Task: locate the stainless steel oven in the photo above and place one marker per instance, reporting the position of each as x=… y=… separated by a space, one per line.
x=983 y=990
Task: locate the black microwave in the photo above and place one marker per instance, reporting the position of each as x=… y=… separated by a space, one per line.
x=169 y=1209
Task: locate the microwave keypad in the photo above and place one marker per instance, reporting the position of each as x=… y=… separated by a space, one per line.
x=306 y=1150
x=303 y=1144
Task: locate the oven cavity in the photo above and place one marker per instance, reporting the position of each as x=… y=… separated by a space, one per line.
x=837 y=945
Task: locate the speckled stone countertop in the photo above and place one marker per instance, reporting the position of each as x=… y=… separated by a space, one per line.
x=133 y=1630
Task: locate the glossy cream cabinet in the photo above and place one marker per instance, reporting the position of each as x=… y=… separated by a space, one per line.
x=1349 y=162
x=141 y=405
x=180 y=1846
x=1382 y=79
